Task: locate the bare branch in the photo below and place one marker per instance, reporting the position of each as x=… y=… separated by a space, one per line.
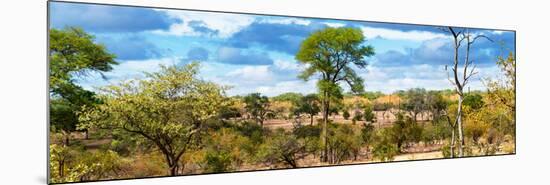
x=481 y=36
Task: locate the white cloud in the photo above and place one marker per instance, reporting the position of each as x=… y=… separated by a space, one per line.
x=371 y=33
x=226 y=24
x=298 y=21
x=498 y=32
x=431 y=77
x=288 y=65
x=126 y=70
x=252 y=74
x=298 y=86
x=334 y=24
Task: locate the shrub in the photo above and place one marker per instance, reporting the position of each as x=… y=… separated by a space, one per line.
x=385 y=150
x=369 y=114
x=346 y=115
x=357 y=116
x=70 y=165
x=344 y=143
x=218 y=161
x=225 y=150
x=281 y=148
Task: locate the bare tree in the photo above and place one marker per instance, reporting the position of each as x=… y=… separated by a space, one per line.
x=461 y=80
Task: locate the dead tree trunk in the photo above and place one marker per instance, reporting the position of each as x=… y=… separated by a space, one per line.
x=467 y=73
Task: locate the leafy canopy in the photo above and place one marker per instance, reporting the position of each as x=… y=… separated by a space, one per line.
x=167 y=108
x=72 y=54
x=329 y=52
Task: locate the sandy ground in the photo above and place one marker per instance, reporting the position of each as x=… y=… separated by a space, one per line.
x=383 y=119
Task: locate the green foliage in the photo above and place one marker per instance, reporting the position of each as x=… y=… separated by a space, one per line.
x=330 y=50
x=367 y=132
x=369 y=114
x=289 y=96
x=436 y=103
x=309 y=104
x=310 y=136
x=282 y=148
x=436 y=132
x=167 y=108
x=373 y=95
x=70 y=165
x=227 y=112
x=73 y=53
x=258 y=106
x=446 y=151
x=225 y=150
x=474 y=101
x=344 y=143
x=219 y=161
x=307 y=131
x=384 y=149
x=346 y=115
x=415 y=101
x=403 y=131
x=357 y=116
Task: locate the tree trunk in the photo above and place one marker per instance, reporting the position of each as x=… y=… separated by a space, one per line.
x=67 y=138
x=460 y=129
x=61 y=168
x=324 y=138
x=174 y=170
x=311 y=119
x=452 y=145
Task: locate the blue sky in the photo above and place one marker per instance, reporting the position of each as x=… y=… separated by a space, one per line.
x=255 y=53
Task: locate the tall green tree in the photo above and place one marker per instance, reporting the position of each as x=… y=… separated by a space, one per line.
x=330 y=52
x=168 y=108
x=73 y=54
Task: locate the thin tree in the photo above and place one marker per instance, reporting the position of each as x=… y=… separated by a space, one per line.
x=459 y=81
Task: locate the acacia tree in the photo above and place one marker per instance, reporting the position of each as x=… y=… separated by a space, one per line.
x=460 y=80
x=72 y=54
x=168 y=108
x=329 y=53
x=258 y=106
x=308 y=104
x=416 y=102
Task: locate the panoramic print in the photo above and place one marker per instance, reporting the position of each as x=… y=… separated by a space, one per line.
x=138 y=92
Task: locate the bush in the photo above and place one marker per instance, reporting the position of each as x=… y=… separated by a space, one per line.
x=307 y=131
x=436 y=132
x=344 y=143
x=71 y=165
x=367 y=133
x=225 y=150
x=369 y=114
x=357 y=116
x=218 y=161
x=346 y=115
x=384 y=150
x=446 y=151
x=281 y=148
x=403 y=131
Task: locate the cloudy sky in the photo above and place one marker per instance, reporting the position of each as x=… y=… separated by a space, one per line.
x=255 y=53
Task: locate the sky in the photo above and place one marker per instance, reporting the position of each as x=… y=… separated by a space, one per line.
x=255 y=53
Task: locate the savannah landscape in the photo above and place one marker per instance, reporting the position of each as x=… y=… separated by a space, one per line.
x=174 y=122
